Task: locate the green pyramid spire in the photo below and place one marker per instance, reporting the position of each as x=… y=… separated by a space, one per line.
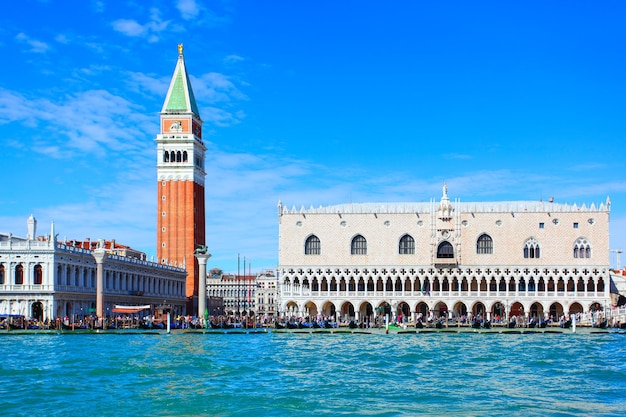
x=180 y=98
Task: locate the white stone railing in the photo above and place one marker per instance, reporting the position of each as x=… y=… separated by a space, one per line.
x=15 y=288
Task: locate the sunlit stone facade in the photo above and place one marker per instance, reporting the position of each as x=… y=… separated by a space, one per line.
x=488 y=259
x=44 y=278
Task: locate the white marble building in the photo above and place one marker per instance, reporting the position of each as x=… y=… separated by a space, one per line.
x=493 y=259
x=266 y=294
x=43 y=278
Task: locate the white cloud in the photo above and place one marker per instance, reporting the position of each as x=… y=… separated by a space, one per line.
x=214 y=87
x=188 y=9
x=36 y=46
x=62 y=38
x=140 y=82
x=220 y=117
x=89 y=121
x=149 y=30
x=88 y=42
x=231 y=59
x=14 y=107
x=129 y=27
x=98 y=6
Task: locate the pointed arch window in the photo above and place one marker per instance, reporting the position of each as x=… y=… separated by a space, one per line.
x=484 y=244
x=532 y=249
x=407 y=245
x=312 y=246
x=1 y=274
x=445 y=250
x=582 y=248
x=184 y=156
x=166 y=156
x=358 y=246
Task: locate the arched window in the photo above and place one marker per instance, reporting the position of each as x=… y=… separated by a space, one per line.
x=166 y=156
x=19 y=275
x=445 y=250
x=484 y=244
x=172 y=156
x=312 y=246
x=184 y=156
x=1 y=274
x=407 y=245
x=358 y=246
x=38 y=275
x=582 y=248
x=179 y=157
x=531 y=249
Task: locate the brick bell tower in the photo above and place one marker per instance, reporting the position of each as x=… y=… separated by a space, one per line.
x=181 y=175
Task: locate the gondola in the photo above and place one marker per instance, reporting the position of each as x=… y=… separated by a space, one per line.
x=276 y=325
x=486 y=324
x=419 y=325
x=602 y=325
x=353 y=325
x=222 y=325
x=566 y=324
x=476 y=325
x=72 y=327
x=512 y=325
x=292 y=325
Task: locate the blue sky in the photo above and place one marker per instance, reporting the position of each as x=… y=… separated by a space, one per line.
x=310 y=103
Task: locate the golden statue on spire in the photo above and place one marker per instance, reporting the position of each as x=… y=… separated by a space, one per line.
x=180 y=49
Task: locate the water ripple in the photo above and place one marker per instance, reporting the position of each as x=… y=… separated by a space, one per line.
x=313 y=375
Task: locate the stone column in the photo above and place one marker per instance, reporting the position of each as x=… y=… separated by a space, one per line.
x=202 y=259
x=100 y=254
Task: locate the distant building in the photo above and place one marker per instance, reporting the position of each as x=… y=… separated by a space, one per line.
x=488 y=259
x=236 y=292
x=266 y=294
x=43 y=278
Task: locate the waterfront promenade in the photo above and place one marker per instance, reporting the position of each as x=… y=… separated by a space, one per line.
x=382 y=330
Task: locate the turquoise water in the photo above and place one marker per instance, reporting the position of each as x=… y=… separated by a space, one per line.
x=313 y=375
